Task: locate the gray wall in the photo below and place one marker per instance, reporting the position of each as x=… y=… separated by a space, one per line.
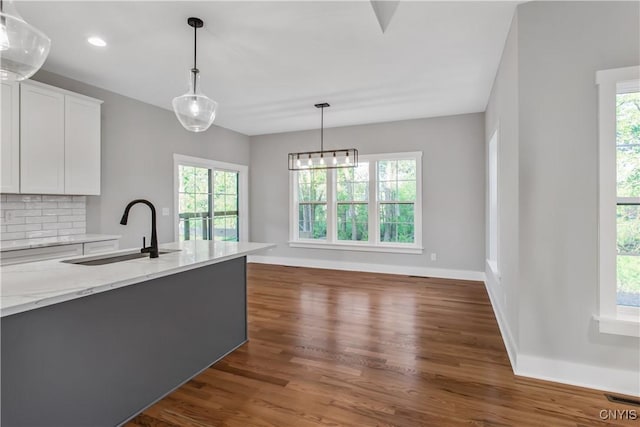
x=453 y=187
x=545 y=102
x=138 y=142
x=502 y=115
x=562 y=45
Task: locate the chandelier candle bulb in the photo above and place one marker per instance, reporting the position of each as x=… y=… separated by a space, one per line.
x=316 y=159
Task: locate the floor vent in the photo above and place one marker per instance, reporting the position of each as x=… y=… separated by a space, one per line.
x=622 y=400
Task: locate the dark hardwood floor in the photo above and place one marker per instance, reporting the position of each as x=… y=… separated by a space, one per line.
x=334 y=348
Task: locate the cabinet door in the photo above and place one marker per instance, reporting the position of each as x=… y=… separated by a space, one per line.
x=82 y=146
x=41 y=140
x=10 y=138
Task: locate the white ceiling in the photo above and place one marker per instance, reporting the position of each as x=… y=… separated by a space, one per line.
x=267 y=63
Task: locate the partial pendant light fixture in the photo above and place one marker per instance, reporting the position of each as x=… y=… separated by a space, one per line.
x=195 y=110
x=23 y=48
x=323 y=159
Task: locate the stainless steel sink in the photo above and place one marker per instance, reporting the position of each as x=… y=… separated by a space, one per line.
x=115 y=258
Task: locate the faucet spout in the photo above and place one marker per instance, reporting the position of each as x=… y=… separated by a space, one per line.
x=153 y=249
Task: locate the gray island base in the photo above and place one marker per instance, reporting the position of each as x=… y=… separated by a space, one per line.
x=101 y=359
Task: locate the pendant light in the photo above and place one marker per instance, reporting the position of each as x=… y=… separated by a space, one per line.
x=23 y=48
x=323 y=159
x=195 y=110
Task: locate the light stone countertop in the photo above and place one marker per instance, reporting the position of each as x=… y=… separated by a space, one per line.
x=15 y=245
x=29 y=286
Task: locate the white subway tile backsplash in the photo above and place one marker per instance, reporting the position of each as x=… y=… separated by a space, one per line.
x=41 y=233
x=14 y=220
x=27 y=212
x=40 y=205
x=71 y=205
x=40 y=219
x=56 y=225
x=70 y=231
x=12 y=236
x=57 y=198
x=56 y=211
x=71 y=218
x=23 y=198
x=29 y=216
x=12 y=205
x=23 y=227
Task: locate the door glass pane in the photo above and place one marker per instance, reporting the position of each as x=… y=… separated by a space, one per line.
x=194 y=201
x=225 y=204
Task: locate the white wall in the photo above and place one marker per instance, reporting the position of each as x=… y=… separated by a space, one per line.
x=502 y=115
x=138 y=142
x=545 y=100
x=453 y=187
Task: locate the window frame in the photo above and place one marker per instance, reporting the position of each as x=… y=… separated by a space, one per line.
x=373 y=244
x=243 y=190
x=493 y=182
x=613 y=319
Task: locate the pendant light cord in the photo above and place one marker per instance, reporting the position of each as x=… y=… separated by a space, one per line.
x=194 y=70
x=322 y=129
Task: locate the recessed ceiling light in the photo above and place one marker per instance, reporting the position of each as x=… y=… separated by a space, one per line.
x=97 y=41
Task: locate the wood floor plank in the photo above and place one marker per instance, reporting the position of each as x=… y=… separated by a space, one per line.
x=336 y=348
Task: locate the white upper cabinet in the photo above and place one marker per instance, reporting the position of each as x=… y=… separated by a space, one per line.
x=59 y=141
x=82 y=146
x=10 y=138
x=41 y=140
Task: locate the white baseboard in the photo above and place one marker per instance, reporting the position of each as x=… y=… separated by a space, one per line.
x=561 y=371
x=505 y=331
x=369 y=268
x=595 y=377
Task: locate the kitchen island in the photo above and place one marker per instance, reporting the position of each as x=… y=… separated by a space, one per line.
x=96 y=344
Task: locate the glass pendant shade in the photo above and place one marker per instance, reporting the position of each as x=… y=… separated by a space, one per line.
x=194 y=110
x=23 y=48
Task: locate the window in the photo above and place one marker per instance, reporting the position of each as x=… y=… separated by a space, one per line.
x=493 y=203
x=211 y=200
x=619 y=151
x=373 y=207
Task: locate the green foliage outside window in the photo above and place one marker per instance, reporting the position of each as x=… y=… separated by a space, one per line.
x=628 y=185
x=397 y=194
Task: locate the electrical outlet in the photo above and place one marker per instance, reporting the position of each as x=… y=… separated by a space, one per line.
x=434 y=256
x=165 y=211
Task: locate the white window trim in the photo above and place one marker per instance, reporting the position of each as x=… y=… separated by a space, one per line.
x=332 y=243
x=243 y=188
x=611 y=318
x=491 y=262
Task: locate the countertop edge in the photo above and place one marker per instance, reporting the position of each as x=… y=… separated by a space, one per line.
x=83 y=292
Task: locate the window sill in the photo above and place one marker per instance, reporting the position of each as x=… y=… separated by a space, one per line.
x=357 y=247
x=621 y=325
